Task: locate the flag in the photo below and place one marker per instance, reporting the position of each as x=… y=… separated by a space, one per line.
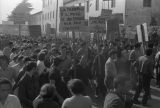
x=142 y=32
x=145 y=31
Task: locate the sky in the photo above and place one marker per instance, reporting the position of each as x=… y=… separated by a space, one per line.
x=6 y=7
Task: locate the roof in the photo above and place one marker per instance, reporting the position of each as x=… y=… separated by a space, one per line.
x=40 y=12
x=65 y=2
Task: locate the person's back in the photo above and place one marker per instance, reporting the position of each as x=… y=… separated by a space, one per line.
x=120 y=96
x=47 y=103
x=145 y=66
x=112 y=100
x=78 y=102
x=45 y=98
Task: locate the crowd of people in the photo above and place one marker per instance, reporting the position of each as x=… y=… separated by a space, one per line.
x=60 y=73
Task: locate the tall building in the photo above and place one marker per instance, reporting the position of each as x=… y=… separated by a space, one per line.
x=49 y=13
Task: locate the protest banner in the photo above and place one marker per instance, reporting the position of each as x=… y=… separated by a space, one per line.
x=122 y=30
x=72 y=18
x=106 y=13
x=118 y=16
x=142 y=32
x=35 y=31
x=145 y=31
x=130 y=32
x=81 y=25
x=112 y=28
x=97 y=25
x=139 y=33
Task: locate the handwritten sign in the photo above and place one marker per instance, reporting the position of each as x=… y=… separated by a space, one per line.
x=72 y=18
x=97 y=25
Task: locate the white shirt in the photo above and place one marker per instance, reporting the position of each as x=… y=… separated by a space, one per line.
x=40 y=66
x=77 y=102
x=110 y=68
x=12 y=101
x=12 y=56
x=1 y=52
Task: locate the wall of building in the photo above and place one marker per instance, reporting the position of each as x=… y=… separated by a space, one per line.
x=156 y=10
x=49 y=13
x=136 y=13
x=119 y=7
x=133 y=10
x=36 y=19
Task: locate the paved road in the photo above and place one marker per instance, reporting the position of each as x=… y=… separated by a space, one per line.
x=154 y=102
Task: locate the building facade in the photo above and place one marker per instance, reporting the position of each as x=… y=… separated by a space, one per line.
x=134 y=11
x=141 y=11
x=49 y=13
x=36 y=19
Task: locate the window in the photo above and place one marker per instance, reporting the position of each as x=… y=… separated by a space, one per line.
x=97 y=5
x=147 y=3
x=113 y=3
x=88 y=6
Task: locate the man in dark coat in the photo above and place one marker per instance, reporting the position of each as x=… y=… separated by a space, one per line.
x=98 y=70
x=29 y=86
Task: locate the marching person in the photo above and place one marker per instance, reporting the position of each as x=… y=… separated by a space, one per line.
x=6 y=99
x=133 y=57
x=110 y=70
x=98 y=70
x=29 y=86
x=45 y=98
x=7 y=50
x=6 y=71
x=145 y=73
x=77 y=100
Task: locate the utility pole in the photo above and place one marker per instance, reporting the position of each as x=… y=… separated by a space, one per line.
x=56 y=18
x=108 y=4
x=19 y=26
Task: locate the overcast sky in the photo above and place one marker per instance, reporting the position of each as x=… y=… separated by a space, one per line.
x=6 y=7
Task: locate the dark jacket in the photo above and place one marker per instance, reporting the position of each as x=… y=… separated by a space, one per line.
x=112 y=100
x=47 y=103
x=28 y=90
x=146 y=66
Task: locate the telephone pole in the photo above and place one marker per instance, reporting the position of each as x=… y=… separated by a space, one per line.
x=56 y=18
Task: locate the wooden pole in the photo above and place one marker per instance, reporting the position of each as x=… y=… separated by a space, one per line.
x=56 y=19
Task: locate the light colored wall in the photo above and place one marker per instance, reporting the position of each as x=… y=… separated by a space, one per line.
x=136 y=13
x=36 y=19
x=50 y=8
